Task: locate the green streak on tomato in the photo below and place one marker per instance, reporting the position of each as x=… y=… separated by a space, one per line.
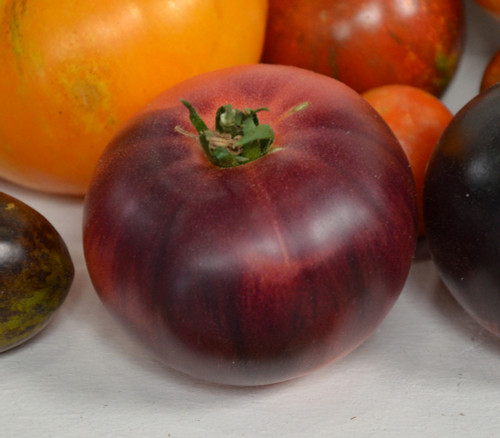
x=446 y=64
x=15 y=15
x=395 y=37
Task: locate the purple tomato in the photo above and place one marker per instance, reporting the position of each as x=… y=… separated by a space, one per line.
x=260 y=248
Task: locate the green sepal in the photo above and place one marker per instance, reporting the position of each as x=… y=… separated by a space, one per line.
x=246 y=140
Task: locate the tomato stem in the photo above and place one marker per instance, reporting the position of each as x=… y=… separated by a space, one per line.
x=238 y=137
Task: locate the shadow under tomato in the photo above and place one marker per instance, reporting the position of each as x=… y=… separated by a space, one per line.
x=460 y=320
x=421 y=250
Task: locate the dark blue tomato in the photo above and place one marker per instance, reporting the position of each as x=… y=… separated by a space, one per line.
x=462 y=207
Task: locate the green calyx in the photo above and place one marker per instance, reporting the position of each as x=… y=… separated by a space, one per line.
x=238 y=137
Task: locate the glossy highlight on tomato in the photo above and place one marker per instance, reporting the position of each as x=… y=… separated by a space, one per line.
x=74 y=72
x=369 y=43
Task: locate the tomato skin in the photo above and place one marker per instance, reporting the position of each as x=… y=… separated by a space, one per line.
x=36 y=272
x=461 y=208
x=491 y=74
x=491 y=6
x=417 y=119
x=367 y=43
x=67 y=86
x=262 y=272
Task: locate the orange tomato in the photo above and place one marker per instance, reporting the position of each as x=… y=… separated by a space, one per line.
x=417 y=119
x=73 y=72
x=491 y=6
x=491 y=74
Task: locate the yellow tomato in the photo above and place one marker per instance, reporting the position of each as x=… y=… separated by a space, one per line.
x=72 y=72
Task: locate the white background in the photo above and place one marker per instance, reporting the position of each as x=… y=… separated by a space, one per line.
x=428 y=371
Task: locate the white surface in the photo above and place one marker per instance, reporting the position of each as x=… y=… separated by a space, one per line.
x=428 y=371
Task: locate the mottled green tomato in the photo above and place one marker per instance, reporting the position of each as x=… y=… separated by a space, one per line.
x=36 y=272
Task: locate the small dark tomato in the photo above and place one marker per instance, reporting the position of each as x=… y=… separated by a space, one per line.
x=36 y=272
